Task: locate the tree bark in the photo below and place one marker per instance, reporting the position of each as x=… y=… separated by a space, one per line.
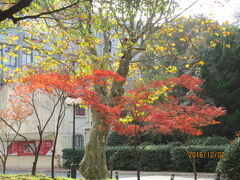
x=4 y=166
x=93 y=165
x=34 y=166
x=194 y=169
x=36 y=155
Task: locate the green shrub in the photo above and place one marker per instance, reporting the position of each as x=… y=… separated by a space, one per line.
x=229 y=166
x=175 y=143
x=115 y=139
x=209 y=141
x=67 y=156
x=154 y=158
x=180 y=158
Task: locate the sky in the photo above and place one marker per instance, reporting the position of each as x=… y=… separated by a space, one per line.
x=221 y=10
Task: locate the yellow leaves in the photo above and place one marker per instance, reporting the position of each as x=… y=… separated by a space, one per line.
x=11 y=39
x=121 y=54
x=228 y=46
x=196 y=30
x=227 y=33
x=213 y=44
x=17 y=48
x=140 y=114
x=182 y=39
x=5 y=69
x=4 y=59
x=139 y=80
x=180 y=30
x=187 y=66
x=226 y=23
x=201 y=63
x=172 y=84
x=127 y=119
x=12 y=54
x=156 y=67
x=216 y=34
x=156 y=94
x=161 y=48
x=171 y=69
x=112 y=21
x=18 y=70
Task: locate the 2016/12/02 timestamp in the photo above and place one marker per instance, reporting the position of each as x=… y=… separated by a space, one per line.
x=210 y=155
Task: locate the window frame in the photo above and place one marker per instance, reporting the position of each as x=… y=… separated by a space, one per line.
x=80 y=115
x=79 y=141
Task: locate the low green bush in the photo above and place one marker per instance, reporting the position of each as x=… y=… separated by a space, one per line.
x=155 y=158
x=229 y=167
x=209 y=141
x=179 y=155
x=67 y=156
x=115 y=139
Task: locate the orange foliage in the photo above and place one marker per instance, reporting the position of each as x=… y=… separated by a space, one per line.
x=151 y=107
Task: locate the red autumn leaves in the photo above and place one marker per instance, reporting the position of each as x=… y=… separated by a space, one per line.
x=152 y=107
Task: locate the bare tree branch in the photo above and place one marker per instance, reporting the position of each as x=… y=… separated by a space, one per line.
x=9 y=13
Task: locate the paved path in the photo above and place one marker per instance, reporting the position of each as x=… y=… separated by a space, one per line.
x=129 y=175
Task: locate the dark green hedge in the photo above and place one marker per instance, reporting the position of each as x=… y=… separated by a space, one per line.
x=155 y=158
x=209 y=141
x=229 y=167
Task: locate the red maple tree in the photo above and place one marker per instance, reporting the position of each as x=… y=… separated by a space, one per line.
x=151 y=107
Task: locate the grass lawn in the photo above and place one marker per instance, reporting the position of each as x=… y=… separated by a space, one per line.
x=30 y=177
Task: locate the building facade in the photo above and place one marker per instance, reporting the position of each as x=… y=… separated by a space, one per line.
x=19 y=150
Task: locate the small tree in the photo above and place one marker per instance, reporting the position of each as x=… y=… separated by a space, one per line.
x=48 y=91
x=154 y=107
x=45 y=92
x=13 y=116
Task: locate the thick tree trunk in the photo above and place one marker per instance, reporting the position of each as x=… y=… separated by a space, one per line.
x=93 y=165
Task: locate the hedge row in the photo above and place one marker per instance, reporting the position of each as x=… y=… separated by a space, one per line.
x=154 y=158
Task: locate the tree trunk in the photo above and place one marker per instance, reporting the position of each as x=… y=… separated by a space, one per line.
x=54 y=152
x=138 y=174
x=194 y=169
x=52 y=162
x=4 y=166
x=36 y=154
x=93 y=165
x=34 y=167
